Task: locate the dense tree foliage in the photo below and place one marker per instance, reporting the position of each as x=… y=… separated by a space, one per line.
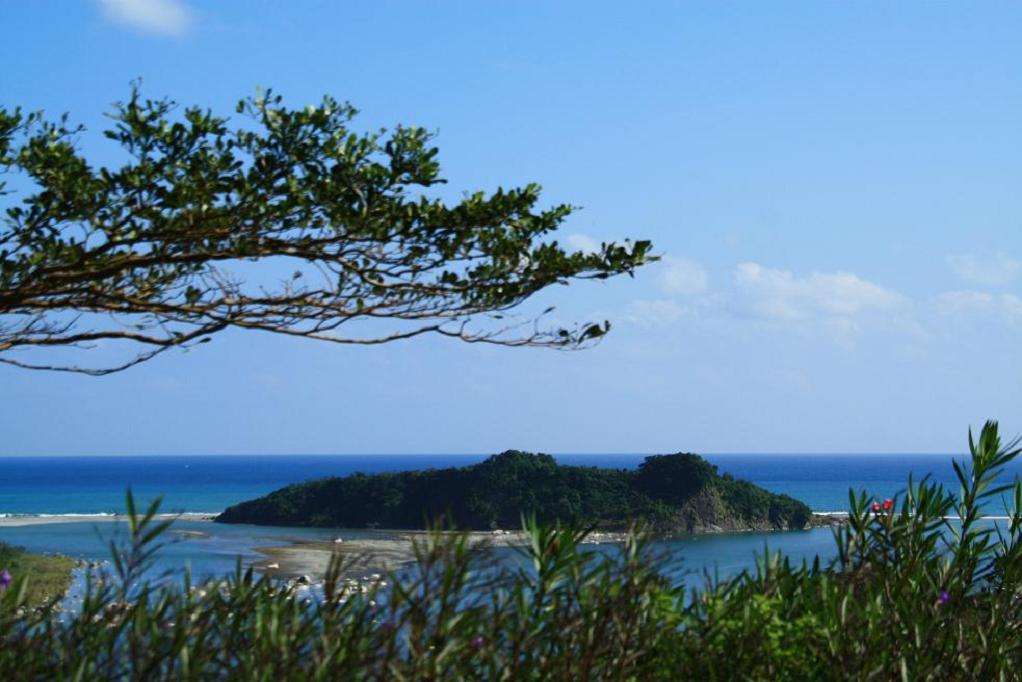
x=681 y=492
x=157 y=253
x=923 y=588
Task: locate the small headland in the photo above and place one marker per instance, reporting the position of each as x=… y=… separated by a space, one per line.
x=49 y=575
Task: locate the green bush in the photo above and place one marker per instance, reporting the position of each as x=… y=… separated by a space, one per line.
x=923 y=587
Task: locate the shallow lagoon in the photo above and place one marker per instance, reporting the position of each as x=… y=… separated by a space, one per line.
x=222 y=546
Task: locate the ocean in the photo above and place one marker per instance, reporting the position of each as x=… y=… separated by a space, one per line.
x=41 y=486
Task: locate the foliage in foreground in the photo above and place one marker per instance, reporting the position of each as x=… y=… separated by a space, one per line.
x=671 y=493
x=913 y=594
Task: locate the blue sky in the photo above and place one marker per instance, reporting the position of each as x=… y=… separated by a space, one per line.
x=835 y=188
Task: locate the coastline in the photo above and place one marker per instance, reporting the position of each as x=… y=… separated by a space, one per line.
x=17 y=520
x=296 y=558
x=382 y=554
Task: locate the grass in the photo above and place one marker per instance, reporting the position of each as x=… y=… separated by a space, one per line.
x=50 y=574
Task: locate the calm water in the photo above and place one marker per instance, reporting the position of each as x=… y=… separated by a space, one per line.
x=89 y=485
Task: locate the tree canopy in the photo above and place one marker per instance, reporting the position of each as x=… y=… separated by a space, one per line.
x=348 y=244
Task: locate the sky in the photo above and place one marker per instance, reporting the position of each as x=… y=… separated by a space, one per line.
x=834 y=189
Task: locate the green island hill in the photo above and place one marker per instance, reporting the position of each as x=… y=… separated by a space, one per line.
x=679 y=493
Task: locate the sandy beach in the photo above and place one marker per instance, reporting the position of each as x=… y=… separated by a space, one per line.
x=380 y=555
x=13 y=521
x=383 y=554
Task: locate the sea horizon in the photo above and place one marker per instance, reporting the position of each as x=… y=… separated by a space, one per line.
x=208 y=484
x=807 y=453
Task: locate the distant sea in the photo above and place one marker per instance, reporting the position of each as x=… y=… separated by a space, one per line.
x=41 y=486
x=91 y=485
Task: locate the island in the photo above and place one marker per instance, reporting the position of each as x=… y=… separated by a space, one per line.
x=679 y=493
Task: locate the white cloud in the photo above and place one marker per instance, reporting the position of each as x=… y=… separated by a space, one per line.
x=682 y=276
x=965 y=302
x=779 y=295
x=995 y=270
x=583 y=243
x=166 y=17
x=654 y=313
x=1012 y=306
x=954 y=302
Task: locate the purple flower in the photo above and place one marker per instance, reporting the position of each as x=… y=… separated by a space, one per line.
x=5 y=579
x=477 y=643
x=944 y=598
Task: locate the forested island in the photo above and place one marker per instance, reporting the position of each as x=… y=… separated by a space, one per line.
x=680 y=493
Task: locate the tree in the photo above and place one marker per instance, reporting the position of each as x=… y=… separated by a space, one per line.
x=675 y=478
x=347 y=247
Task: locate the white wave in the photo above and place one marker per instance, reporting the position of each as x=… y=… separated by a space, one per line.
x=90 y=515
x=83 y=514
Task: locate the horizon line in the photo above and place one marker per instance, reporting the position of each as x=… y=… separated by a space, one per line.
x=490 y=453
